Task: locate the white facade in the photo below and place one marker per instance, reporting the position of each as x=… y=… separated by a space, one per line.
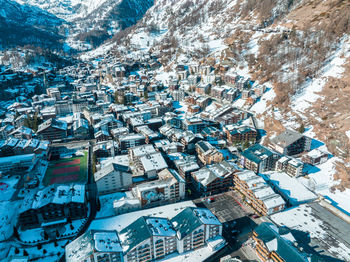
x=109 y=179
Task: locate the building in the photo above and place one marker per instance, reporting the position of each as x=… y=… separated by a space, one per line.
x=195 y=228
x=259 y=159
x=112 y=178
x=130 y=140
x=63 y=108
x=196 y=125
x=53 y=129
x=257 y=193
x=81 y=128
x=169 y=186
x=146 y=160
x=147 y=239
x=208 y=154
x=186 y=166
x=17 y=163
x=95 y=246
x=291 y=166
x=53 y=205
x=315 y=157
x=291 y=143
x=273 y=243
x=292 y=191
x=126 y=202
x=214 y=178
x=240 y=134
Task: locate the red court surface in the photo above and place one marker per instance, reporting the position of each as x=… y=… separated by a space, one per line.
x=70 y=163
x=64 y=170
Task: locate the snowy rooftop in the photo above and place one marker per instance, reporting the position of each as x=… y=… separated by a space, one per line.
x=328 y=234
x=122 y=221
x=61 y=194
x=206 y=216
x=143 y=150
x=122 y=160
x=153 y=162
x=290 y=187
x=160 y=227
x=17 y=158
x=107 y=242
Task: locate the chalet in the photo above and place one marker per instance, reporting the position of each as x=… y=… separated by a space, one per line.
x=81 y=128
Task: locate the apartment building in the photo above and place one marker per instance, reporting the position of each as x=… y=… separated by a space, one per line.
x=315 y=157
x=130 y=140
x=17 y=163
x=95 y=246
x=147 y=160
x=214 y=178
x=196 y=125
x=195 y=228
x=53 y=129
x=291 y=166
x=240 y=133
x=291 y=143
x=112 y=178
x=278 y=244
x=208 y=154
x=53 y=205
x=169 y=186
x=147 y=239
x=257 y=193
x=259 y=159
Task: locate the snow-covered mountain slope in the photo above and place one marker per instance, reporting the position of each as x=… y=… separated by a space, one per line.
x=83 y=23
x=299 y=47
x=23 y=24
x=66 y=9
x=106 y=20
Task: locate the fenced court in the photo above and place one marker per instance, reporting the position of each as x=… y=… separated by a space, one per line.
x=67 y=170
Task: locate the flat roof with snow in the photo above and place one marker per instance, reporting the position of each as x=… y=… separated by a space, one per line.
x=290 y=188
x=329 y=234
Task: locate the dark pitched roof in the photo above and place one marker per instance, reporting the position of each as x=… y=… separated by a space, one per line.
x=185 y=222
x=257 y=153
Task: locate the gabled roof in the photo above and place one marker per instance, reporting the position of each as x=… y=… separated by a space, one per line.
x=191 y=218
x=106 y=170
x=143 y=229
x=53 y=123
